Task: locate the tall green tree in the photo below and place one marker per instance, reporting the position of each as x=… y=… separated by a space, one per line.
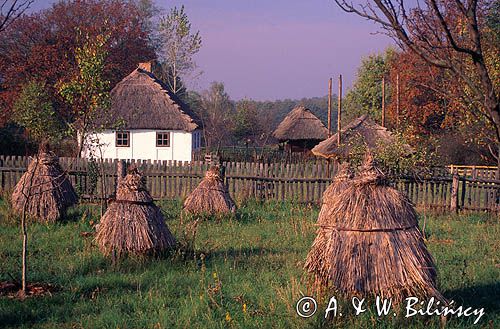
x=87 y=93
x=178 y=45
x=148 y=11
x=34 y=111
x=366 y=95
x=246 y=124
x=217 y=116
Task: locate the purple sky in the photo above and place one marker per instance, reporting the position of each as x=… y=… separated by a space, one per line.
x=277 y=49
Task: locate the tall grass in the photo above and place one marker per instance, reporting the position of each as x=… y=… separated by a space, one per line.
x=246 y=272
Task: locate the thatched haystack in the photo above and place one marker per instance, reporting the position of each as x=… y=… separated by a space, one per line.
x=301 y=129
x=133 y=224
x=371 y=134
x=47 y=187
x=339 y=184
x=210 y=197
x=369 y=243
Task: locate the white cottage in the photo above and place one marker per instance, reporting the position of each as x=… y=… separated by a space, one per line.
x=152 y=123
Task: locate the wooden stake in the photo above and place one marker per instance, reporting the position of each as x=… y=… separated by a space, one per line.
x=329 y=107
x=383 y=101
x=339 y=111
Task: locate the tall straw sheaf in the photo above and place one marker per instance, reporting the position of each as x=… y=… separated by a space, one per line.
x=369 y=243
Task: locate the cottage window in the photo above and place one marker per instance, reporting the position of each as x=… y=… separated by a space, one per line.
x=162 y=139
x=122 y=139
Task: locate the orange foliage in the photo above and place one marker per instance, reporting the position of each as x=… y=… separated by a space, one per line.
x=42 y=45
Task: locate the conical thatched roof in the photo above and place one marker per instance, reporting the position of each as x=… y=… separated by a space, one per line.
x=47 y=187
x=133 y=224
x=371 y=133
x=210 y=197
x=141 y=101
x=300 y=124
x=369 y=244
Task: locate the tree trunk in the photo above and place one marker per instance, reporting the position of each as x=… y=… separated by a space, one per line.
x=25 y=251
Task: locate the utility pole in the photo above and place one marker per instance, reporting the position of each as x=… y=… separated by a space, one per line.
x=329 y=107
x=383 y=101
x=397 y=99
x=339 y=111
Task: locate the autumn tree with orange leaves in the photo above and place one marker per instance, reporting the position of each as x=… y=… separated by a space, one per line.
x=451 y=38
x=42 y=46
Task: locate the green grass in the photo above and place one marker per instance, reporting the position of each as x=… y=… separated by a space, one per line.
x=253 y=262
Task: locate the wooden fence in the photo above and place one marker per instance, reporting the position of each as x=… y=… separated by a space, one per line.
x=440 y=190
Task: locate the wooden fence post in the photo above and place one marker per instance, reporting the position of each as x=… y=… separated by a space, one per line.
x=121 y=170
x=454 y=193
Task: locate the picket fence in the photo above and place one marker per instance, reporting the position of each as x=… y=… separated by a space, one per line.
x=443 y=189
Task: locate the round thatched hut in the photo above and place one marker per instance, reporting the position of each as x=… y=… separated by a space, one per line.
x=362 y=129
x=301 y=130
x=369 y=243
x=210 y=197
x=44 y=189
x=133 y=224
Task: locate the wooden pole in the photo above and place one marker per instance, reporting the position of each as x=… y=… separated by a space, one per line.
x=339 y=111
x=454 y=193
x=383 y=101
x=121 y=170
x=397 y=99
x=329 y=107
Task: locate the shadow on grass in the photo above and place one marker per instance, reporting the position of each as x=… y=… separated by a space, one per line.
x=482 y=296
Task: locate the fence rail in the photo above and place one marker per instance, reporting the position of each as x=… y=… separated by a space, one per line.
x=442 y=190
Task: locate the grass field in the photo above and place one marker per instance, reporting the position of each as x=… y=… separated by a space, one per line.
x=246 y=273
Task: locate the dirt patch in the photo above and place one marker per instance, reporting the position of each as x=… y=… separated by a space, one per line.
x=12 y=289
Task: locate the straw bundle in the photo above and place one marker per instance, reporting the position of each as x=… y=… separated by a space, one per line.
x=340 y=183
x=210 y=196
x=47 y=187
x=369 y=243
x=133 y=224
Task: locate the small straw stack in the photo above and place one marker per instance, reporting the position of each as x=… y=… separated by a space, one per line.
x=133 y=224
x=47 y=187
x=210 y=197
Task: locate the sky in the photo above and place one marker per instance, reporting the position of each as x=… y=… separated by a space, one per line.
x=268 y=50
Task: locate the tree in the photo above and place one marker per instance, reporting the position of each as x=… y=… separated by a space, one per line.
x=87 y=92
x=11 y=10
x=42 y=45
x=246 y=125
x=148 y=11
x=178 y=45
x=216 y=114
x=366 y=95
x=34 y=111
x=446 y=34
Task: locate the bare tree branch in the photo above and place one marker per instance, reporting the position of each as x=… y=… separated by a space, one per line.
x=10 y=10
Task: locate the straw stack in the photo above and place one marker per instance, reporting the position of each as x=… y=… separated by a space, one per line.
x=210 y=197
x=133 y=224
x=44 y=189
x=369 y=242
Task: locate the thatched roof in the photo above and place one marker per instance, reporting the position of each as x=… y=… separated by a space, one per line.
x=47 y=187
x=133 y=224
x=300 y=124
x=369 y=243
x=371 y=133
x=210 y=197
x=141 y=101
